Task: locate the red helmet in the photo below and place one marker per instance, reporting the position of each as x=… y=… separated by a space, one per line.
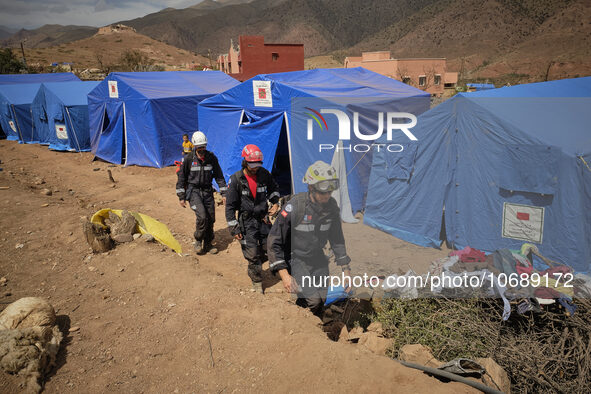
x=252 y=153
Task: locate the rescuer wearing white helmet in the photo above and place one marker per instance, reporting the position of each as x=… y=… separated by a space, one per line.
x=194 y=184
x=298 y=236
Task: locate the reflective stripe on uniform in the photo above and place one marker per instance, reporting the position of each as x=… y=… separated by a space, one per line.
x=271 y=265
x=245 y=192
x=180 y=190
x=223 y=189
x=261 y=189
x=208 y=167
x=324 y=227
x=195 y=168
x=233 y=223
x=305 y=227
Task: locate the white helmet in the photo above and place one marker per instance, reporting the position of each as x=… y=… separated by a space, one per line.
x=322 y=177
x=198 y=139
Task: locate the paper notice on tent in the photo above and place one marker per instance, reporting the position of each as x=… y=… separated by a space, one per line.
x=60 y=131
x=523 y=222
x=262 y=93
x=12 y=126
x=113 y=89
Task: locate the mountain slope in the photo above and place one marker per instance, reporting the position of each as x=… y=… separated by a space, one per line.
x=208 y=25
x=105 y=50
x=477 y=36
x=558 y=48
x=6 y=32
x=321 y=24
x=482 y=38
x=49 y=35
x=488 y=38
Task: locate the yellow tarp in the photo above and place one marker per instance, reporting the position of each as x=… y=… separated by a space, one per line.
x=146 y=225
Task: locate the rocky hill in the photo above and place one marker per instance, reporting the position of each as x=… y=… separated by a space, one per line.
x=104 y=50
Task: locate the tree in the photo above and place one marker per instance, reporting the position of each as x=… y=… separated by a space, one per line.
x=9 y=64
x=134 y=60
x=428 y=76
x=106 y=68
x=404 y=76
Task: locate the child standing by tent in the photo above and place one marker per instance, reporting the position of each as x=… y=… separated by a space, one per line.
x=187 y=145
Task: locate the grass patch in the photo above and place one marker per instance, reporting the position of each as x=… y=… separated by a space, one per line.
x=439 y=324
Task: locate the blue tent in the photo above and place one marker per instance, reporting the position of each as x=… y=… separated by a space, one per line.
x=139 y=118
x=15 y=111
x=506 y=166
x=60 y=114
x=9 y=79
x=282 y=113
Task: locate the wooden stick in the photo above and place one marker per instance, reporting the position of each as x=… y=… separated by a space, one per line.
x=210 y=352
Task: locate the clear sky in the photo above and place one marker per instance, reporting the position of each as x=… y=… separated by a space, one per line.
x=31 y=14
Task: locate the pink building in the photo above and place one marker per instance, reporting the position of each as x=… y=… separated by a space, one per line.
x=427 y=74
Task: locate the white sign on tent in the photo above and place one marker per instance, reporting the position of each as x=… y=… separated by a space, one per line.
x=113 y=89
x=262 y=93
x=523 y=222
x=60 y=131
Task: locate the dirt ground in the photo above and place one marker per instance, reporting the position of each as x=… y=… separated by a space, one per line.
x=141 y=318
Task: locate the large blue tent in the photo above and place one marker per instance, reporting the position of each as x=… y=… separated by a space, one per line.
x=15 y=111
x=139 y=118
x=60 y=114
x=10 y=79
x=495 y=169
x=283 y=114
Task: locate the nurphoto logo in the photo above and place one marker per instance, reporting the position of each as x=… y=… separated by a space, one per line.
x=393 y=122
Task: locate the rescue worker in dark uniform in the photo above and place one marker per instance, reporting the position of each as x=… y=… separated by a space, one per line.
x=194 y=185
x=247 y=212
x=299 y=234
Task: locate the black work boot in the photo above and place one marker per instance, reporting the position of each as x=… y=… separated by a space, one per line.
x=210 y=248
x=257 y=287
x=199 y=249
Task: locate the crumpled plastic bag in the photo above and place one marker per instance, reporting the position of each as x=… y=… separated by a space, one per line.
x=463 y=366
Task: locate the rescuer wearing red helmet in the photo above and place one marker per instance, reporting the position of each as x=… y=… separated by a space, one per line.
x=247 y=210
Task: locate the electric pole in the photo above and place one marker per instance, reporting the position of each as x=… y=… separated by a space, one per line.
x=23 y=51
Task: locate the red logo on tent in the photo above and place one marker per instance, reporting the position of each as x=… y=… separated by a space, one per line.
x=262 y=93
x=522 y=216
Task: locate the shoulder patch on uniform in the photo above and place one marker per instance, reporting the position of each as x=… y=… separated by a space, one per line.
x=284 y=214
x=288 y=208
